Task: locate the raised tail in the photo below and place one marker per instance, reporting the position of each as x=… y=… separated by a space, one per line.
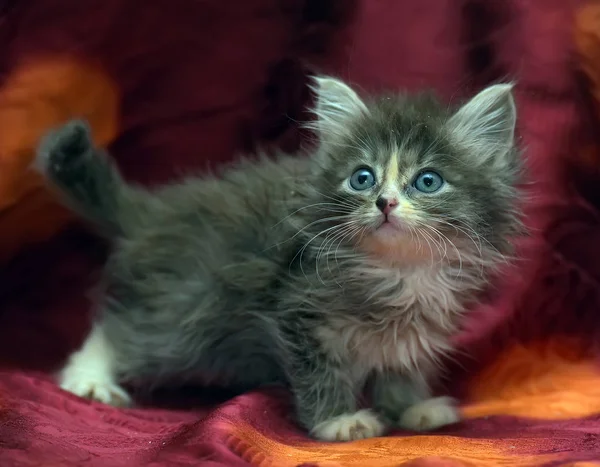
x=88 y=180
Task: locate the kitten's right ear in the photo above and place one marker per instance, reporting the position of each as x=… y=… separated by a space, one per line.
x=336 y=105
x=486 y=124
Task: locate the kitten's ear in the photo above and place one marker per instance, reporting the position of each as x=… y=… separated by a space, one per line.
x=335 y=106
x=486 y=124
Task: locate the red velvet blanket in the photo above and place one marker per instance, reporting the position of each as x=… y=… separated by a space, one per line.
x=174 y=84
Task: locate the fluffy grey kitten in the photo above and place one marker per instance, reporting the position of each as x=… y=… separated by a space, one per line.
x=352 y=265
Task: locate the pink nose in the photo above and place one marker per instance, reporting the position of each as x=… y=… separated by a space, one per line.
x=386 y=205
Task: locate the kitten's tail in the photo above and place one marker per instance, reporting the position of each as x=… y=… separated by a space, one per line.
x=89 y=182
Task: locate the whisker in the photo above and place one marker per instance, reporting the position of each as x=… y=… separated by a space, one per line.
x=316 y=205
x=466 y=229
x=303 y=249
x=341 y=201
x=351 y=232
x=329 y=239
x=420 y=232
x=446 y=240
x=318 y=221
x=327 y=250
x=440 y=243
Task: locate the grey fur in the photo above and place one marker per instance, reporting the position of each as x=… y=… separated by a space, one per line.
x=236 y=280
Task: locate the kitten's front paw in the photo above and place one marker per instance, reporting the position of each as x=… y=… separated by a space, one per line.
x=349 y=427
x=63 y=147
x=95 y=387
x=430 y=414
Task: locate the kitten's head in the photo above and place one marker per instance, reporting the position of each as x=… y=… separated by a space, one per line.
x=407 y=178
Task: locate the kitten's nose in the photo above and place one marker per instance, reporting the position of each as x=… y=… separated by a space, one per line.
x=386 y=205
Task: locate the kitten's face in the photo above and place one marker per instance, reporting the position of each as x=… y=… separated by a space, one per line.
x=410 y=180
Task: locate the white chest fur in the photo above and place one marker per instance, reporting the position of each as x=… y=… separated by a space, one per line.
x=423 y=312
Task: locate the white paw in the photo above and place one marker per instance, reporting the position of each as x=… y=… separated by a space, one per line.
x=96 y=387
x=430 y=414
x=89 y=372
x=349 y=427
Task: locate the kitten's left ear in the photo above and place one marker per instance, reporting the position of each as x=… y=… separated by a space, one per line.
x=486 y=124
x=337 y=104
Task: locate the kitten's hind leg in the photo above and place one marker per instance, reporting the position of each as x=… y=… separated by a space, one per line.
x=89 y=372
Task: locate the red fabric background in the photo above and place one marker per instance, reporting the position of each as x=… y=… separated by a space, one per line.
x=201 y=80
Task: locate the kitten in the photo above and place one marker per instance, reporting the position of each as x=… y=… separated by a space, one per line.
x=355 y=263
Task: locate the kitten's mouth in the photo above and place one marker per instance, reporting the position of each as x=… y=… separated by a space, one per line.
x=390 y=224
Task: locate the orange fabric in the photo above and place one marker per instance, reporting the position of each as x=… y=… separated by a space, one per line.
x=587 y=42
x=587 y=45
x=36 y=96
x=548 y=380
x=430 y=451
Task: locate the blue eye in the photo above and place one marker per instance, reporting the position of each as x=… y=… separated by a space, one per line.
x=428 y=182
x=362 y=179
